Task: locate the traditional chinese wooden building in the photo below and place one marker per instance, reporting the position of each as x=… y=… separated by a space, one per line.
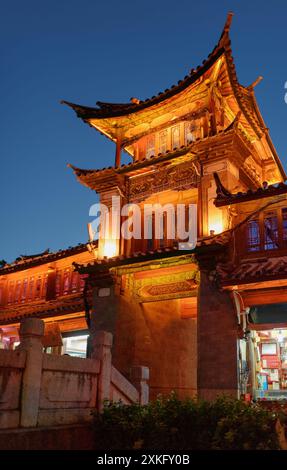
x=251 y=269
x=170 y=309
x=205 y=320
x=46 y=286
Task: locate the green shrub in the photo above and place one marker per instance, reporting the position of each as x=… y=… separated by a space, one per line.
x=173 y=424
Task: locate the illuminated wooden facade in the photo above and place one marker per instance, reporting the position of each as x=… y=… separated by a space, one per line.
x=183 y=313
x=169 y=309
x=44 y=286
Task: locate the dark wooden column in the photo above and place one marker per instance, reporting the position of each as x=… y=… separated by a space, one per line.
x=199 y=210
x=118 y=152
x=51 y=285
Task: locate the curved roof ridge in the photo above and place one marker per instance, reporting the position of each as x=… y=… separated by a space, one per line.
x=105 y=109
x=155 y=159
x=23 y=262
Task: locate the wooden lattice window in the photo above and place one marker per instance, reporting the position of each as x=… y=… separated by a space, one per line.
x=82 y=282
x=45 y=286
x=150 y=146
x=38 y=287
x=24 y=290
x=75 y=281
x=175 y=137
x=162 y=147
x=284 y=226
x=31 y=288
x=58 y=283
x=268 y=231
x=11 y=292
x=66 y=281
x=18 y=291
x=189 y=135
x=253 y=235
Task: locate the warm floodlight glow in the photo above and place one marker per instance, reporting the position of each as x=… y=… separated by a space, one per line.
x=215 y=227
x=110 y=248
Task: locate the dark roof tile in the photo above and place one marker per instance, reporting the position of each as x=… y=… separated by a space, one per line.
x=224 y=197
x=105 y=110
x=26 y=262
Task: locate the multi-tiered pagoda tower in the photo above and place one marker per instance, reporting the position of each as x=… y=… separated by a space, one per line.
x=161 y=303
x=206 y=320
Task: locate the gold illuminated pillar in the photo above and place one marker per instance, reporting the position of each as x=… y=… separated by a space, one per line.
x=109 y=239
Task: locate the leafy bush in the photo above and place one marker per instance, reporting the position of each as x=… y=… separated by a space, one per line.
x=169 y=423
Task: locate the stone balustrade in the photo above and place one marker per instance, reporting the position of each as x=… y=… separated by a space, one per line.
x=39 y=389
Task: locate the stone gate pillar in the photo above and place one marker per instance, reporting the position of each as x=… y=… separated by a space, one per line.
x=102 y=344
x=31 y=334
x=104 y=308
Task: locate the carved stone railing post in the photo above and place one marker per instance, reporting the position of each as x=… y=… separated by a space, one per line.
x=139 y=378
x=31 y=334
x=102 y=344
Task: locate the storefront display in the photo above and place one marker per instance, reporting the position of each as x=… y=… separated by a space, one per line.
x=270 y=364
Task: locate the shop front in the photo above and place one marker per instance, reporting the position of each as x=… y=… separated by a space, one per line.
x=263 y=353
x=270 y=364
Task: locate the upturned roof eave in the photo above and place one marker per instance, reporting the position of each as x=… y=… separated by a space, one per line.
x=49 y=257
x=108 y=110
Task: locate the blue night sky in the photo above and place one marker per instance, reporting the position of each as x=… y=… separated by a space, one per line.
x=84 y=51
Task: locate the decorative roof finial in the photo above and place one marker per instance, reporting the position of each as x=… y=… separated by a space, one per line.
x=221 y=191
x=228 y=22
x=134 y=100
x=224 y=39
x=255 y=83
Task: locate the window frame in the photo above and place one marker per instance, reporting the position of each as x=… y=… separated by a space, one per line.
x=281 y=241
